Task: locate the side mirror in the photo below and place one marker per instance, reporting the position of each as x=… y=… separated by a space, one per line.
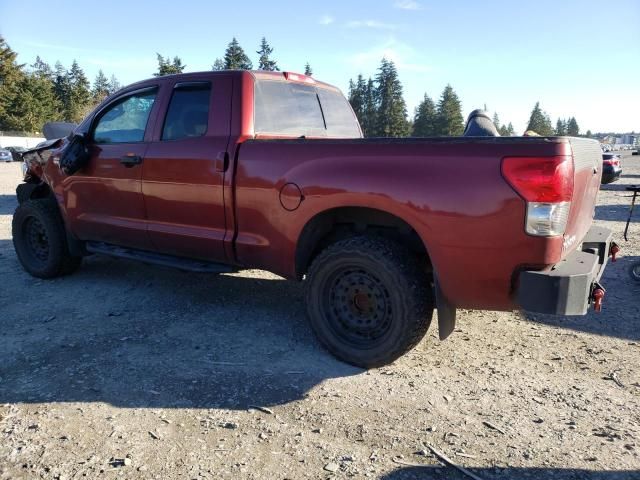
x=75 y=154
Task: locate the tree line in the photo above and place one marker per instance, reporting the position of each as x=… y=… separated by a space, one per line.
x=32 y=95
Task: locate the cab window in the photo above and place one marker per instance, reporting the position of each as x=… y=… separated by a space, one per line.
x=126 y=120
x=188 y=113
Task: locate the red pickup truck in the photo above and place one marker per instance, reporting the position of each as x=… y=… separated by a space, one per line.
x=219 y=171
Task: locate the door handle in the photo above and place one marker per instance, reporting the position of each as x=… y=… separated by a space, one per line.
x=130 y=160
x=222 y=162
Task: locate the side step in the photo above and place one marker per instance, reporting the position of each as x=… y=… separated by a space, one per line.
x=180 y=263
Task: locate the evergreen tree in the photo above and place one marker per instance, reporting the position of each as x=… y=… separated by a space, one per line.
x=391 y=115
x=80 y=94
x=265 y=62
x=496 y=120
x=357 y=93
x=218 y=64
x=36 y=104
x=11 y=75
x=510 y=130
x=561 y=128
x=307 y=69
x=573 y=130
x=540 y=122
x=235 y=58
x=62 y=91
x=166 y=66
x=114 y=85
x=370 y=109
x=101 y=87
x=588 y=134
x=450 y=121
x=426 y=119
x=42 y=69
x=503 y=131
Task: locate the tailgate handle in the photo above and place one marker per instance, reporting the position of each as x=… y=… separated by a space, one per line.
x=222 y=161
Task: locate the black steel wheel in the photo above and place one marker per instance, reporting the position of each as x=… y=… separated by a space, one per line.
x=368 y=300
x=40 y=241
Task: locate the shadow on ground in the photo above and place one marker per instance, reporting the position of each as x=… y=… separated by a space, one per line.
x=429 y=472
x=140 y=336
x=8 y=204
x=618 y=213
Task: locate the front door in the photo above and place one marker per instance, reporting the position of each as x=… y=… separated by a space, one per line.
x=184 y=169
x=104 y=199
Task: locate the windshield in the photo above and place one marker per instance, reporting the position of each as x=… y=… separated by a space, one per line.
x=296 y=110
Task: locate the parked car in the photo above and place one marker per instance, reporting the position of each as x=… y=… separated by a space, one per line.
x=611 y=167
x=269 y=170
x=5 y=155
x=16 y=153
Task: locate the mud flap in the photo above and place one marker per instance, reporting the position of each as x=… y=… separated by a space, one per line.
x=446 y=312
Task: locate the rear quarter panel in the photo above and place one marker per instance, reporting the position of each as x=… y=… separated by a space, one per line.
x=450 y=191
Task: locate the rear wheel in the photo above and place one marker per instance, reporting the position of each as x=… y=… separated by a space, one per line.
x=368 y=300
x=40 y=240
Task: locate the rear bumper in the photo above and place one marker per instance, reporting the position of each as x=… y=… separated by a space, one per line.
x=610 y=174
x=566 y=289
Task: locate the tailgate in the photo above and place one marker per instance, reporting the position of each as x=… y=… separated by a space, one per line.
x=587 y=158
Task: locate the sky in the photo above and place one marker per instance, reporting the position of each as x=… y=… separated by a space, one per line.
x=577 y=58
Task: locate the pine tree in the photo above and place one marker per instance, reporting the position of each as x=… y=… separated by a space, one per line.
x=496 y=120
x=114 y=85
x=540 y=122
x=36 y=104
x=357 y=93
x=573 y=130
x=218 y=64
x=166 y=66
x=11 y=74
x=510 y=130
x=62 y=91
x=450 y=121
x=80 y=94
x=588 y=134
x=307 y=69
x=264 y=62
x=391 y=118
x=561 y=128
x=426 y=119
x=101 y=87
x=503 y=131
x=235 y=58
x=42 y=69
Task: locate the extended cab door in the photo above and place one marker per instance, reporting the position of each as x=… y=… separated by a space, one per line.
x=184 y=169
x=104 y=199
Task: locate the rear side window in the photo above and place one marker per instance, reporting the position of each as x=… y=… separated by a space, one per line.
x=338 y=115
x=294 y=110
x=286 y=108
x=126 y=120
x=188 y=113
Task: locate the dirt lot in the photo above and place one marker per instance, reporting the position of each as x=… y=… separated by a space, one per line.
x=131 y=371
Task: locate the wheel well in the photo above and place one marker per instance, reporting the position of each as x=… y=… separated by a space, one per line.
x=339 y=223
x=32 y=191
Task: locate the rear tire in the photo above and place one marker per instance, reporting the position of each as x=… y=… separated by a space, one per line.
x=40 y=240
x=368 y=300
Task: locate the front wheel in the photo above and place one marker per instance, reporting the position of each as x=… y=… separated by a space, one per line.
x=40 y=241
x=368 y=300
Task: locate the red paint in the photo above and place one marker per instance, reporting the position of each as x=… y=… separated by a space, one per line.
x=451 y=191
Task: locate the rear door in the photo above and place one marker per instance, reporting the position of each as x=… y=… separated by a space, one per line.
x=185 y=166
x=104 y=199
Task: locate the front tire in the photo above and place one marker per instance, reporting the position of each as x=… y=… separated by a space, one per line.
x=40 y=240
x=369 y=300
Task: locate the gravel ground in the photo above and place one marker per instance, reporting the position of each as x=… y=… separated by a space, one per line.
x=130 y=371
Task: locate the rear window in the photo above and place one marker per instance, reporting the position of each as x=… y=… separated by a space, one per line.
x=296 y=110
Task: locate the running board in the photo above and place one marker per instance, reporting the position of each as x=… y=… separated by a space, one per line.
x=180 y=263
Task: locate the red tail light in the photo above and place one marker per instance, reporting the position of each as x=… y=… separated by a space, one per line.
x=614 y=162
x=298 y=77
x=540 y=179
